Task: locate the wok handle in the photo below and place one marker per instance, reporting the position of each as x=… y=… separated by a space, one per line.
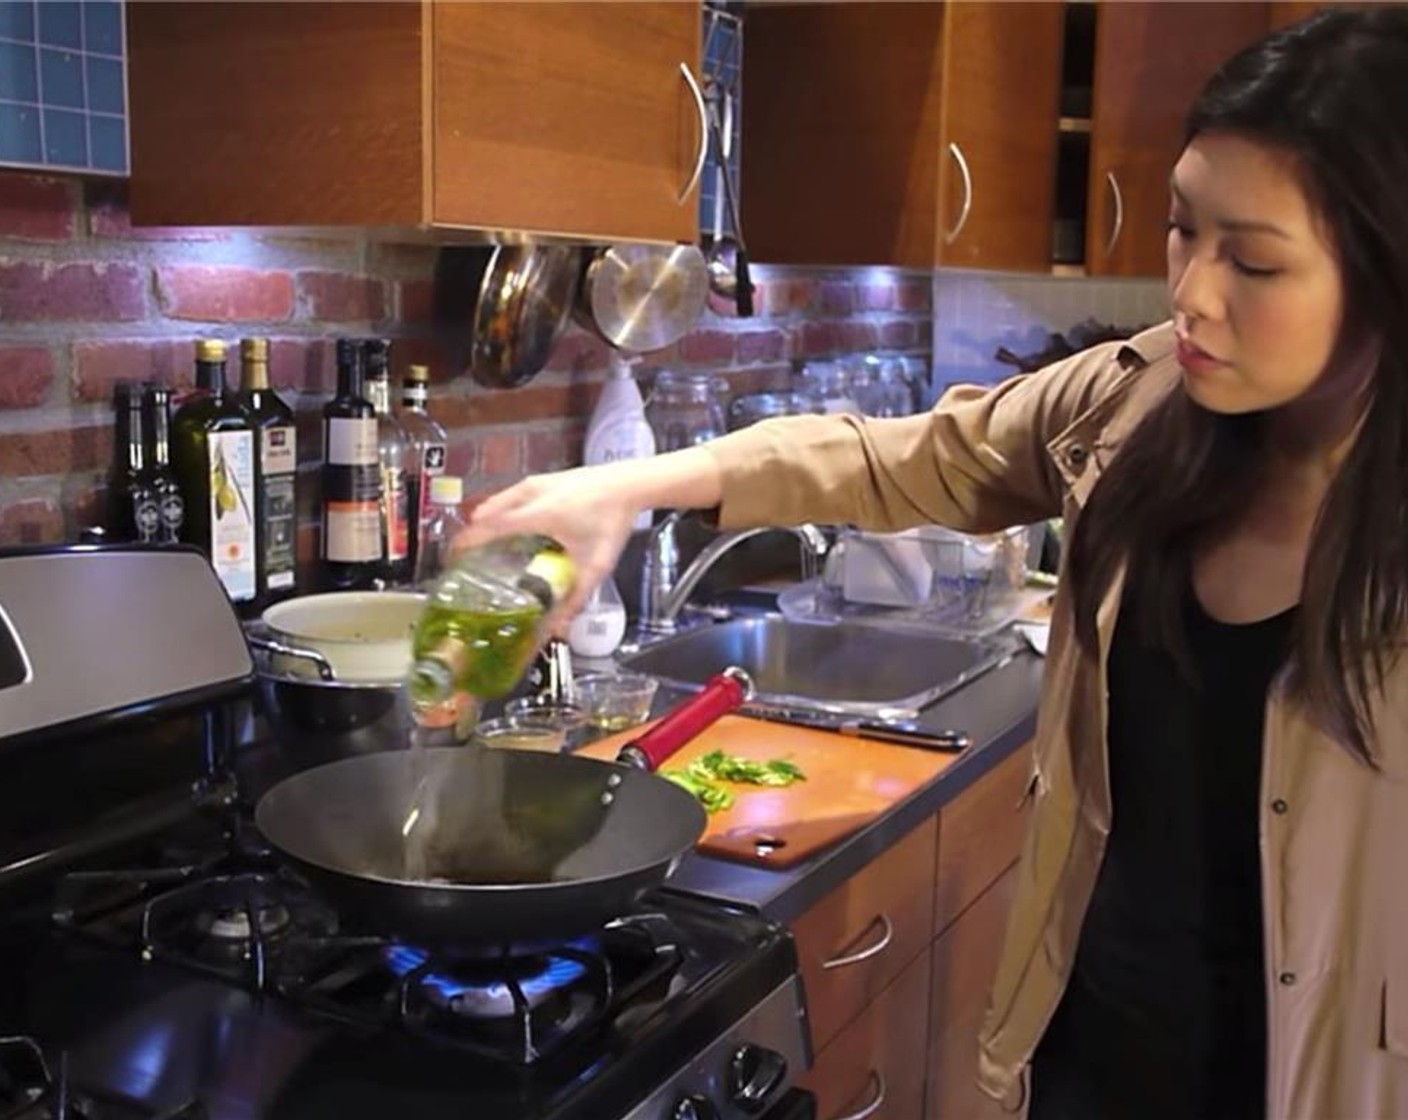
x=721 y=694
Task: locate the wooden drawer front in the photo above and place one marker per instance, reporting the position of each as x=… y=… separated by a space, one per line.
x=857 y=939
x=980 y=836
x=874 y=1069
x=965 y=960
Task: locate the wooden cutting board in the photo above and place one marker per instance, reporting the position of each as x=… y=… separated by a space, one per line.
x=849 y=783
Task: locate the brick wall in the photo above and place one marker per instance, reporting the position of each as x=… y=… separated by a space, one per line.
x=86 y=299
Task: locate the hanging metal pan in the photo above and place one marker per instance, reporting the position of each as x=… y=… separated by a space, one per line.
x=645 y=297
x=525 y=299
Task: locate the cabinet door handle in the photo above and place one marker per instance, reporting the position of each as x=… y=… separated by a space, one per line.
x=957 y=153
x=1119 y=212
x=703 y=153
x=887 y=934
x=876 y=1102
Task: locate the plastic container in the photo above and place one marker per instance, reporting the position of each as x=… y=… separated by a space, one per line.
x=618 y=428
x=614 y=702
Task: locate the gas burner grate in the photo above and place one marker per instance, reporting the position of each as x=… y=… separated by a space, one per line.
x=29 y=1090
x=514 y=1010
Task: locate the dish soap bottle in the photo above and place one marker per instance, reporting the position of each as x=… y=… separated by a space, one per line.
x=484 y=622
x=618 y=428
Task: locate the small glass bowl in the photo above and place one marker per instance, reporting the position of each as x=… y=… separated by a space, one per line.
x=521 y=733
x=615 y=701
x=570 y=718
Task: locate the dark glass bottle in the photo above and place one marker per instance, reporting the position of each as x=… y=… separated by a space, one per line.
x=275 y=476
x=163 y=478
x=428 y=453
x=351 y=500
x=134 y=513
x=212 y=451
x=393 y=450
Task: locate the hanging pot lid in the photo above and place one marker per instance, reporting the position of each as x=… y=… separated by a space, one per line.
x=645 y=297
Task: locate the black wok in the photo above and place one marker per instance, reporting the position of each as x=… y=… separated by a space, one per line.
x=511 y=849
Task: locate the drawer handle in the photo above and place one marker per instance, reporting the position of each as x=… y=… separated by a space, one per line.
x=876 y=1101
x=887 y=934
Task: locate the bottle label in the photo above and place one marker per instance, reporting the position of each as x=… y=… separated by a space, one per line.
x=395 y=530
x=231 y=469
x=146 y=515
x=278 y=453
x=432 y=465
x=351 y=443
x=278 y=459
x=352 y=532
x=173 y=514
x=280 y=531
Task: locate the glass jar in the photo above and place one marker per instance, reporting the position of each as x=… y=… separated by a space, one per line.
x=686 y=409
x=830 y=383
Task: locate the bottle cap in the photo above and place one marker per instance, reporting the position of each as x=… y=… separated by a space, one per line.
x=418 y=373
x=254 y=349
x=210 y=350
x=446 y=490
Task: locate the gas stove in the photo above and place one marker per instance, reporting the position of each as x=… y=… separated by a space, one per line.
x=157 y=960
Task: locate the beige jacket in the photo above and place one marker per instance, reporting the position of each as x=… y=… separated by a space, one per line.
x=1334 y=833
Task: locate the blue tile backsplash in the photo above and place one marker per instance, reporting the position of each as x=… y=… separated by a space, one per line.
x=61 y=24
x=17 y=20
x=723 y=64
x=19 y=76
x=19 y=134
x=63 y=85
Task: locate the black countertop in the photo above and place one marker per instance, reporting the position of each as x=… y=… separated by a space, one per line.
x=998 y=711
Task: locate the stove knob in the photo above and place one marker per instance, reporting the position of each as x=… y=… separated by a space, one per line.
x=754 y=1074
x=695 y=1107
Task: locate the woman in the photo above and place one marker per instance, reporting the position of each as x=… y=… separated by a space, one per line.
x=1211 y=917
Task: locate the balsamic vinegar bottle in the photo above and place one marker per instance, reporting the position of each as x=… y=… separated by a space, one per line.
x=351 y=499
x=163 y=478
x=213 y=455
x=275 y=476
x=134 y=513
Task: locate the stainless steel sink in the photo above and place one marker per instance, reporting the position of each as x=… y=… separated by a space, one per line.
x=846 y=669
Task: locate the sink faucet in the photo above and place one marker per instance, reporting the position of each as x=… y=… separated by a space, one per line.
x=664 y=590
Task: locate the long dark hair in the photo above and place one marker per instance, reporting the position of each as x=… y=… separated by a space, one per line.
x=1331 y=91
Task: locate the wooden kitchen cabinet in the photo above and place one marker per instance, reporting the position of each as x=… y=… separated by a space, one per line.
x=571 y=119
x=980 y=836
x=857 y=939
x=901 y=134
x=897 y=961
x=1151 y=59
x=875 y=1067
x=964 y=963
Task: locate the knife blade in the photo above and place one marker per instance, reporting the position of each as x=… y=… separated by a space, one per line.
x=903 y=734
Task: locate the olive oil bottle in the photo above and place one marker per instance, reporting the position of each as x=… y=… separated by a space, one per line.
x=212 y=448
x=275 y=475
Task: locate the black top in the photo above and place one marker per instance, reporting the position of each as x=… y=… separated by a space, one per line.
x=1165 y=1013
